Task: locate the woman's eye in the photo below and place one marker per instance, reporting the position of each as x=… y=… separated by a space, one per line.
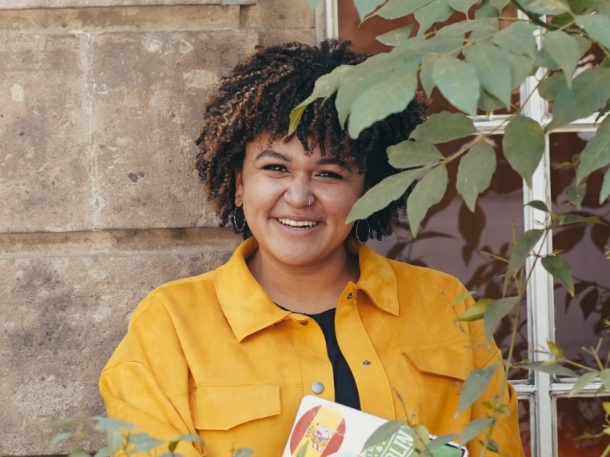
x=275 y=167
x=329 y=174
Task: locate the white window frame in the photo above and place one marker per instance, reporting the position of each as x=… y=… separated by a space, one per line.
x=540 y=389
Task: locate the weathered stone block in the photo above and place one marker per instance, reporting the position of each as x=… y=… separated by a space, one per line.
x=43 y=4
x=45 y=161
x=61 y=319
x=179 y=17
x=271 y=37
x=148 y=95
x=278 y=14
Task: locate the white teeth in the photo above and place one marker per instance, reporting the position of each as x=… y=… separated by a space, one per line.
x=292 y=223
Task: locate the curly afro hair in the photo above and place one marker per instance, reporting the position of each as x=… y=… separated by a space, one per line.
x=258 y=97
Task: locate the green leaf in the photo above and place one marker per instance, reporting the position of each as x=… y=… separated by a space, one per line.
x=481 y=28
x=461 y=5
x=408 y=154
x=444 y=127
x=114 y=440
x=576 y=194
x=475 y=312
x=521 y=250
x=489 y=103
x=560 y=270
x=435 y=11
x=596 y=153
x=106 y=423
x=421 y=437
x=492 y=69
x=441 y=441
x=555 y=349
x=475 y=171
x=604 y=377
x=243 y=452
x=597 y=27
x=172 y=446
x=428 y=192
x=583 y=381
x=59 y=437
x=383 y=433
x=567 y=219
x=523 y=146
x=458 y=82
x=425 y=75
x=474 y=429
x=539 y=205
x=550 y=367
x=605 y=191
x=589 y=92
x=366 y=7
x=312 y=4
x=388 y=97
x=395 y=9
x=547 y=7
x=460 y=298
x=500 y=4
x=324 y=87
x=190 y=438
x=496 y=311
x=521 y=67
x=550 y=86
x=517 y=38
x=143 y=442
x=563 y=49
x=397 y=36
x=475 y=386
x=486 y=10
x=382 y=194
x=368 y=74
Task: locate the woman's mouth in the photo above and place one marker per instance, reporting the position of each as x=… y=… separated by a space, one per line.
x=298 y=224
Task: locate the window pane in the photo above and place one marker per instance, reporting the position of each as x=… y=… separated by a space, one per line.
x=524 y=426
x=457 y=241
x=578 y=320
x=576 y=416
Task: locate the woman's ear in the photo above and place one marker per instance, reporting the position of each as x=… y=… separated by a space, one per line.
x=239 y=183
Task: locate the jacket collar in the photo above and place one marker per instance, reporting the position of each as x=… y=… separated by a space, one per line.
x=249 y=309
x=377 y=277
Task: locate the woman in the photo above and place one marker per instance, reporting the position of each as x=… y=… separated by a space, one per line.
x=303 y=306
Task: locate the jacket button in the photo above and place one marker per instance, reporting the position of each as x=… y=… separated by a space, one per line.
x=317 y=387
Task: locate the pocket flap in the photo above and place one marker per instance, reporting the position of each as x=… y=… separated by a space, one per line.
x=453 y=361
x=224 y=407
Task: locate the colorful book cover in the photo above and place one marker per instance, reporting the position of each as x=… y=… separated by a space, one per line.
x=323 y=428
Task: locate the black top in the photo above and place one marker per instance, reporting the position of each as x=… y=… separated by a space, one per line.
x=346 y=392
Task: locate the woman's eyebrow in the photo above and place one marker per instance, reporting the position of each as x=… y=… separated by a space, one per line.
x=331 y=161
x=273 y=154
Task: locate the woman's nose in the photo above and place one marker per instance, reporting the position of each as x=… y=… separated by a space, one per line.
x=299 y=194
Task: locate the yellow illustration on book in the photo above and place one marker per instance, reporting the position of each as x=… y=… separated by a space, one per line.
x=318 y=434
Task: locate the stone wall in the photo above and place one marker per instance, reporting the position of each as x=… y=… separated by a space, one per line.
x=100 y=101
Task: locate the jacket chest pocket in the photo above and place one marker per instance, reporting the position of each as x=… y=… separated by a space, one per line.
x=225 y=407
x=441 y=371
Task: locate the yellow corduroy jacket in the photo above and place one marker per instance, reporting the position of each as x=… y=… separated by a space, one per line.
x=214 y=356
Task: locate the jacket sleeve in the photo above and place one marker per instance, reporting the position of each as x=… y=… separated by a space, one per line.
x=506 y=430
x=146 y=380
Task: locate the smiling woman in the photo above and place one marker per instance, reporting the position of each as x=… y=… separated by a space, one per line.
x=303 y=306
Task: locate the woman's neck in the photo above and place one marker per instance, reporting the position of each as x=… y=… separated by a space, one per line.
x=302 y=289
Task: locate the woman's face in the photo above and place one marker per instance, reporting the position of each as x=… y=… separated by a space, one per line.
x=295 y=204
